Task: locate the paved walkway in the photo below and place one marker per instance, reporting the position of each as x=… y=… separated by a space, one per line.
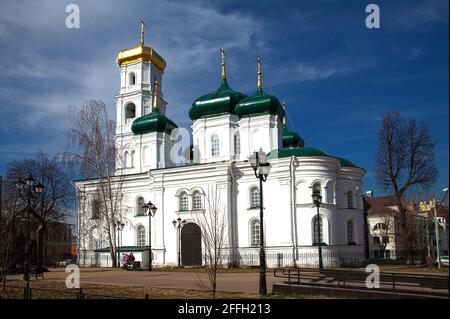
x=231 y=282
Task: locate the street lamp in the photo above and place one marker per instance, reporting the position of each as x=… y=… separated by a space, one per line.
x=317 y=199
x=178 y=224
x=120 y=227
x=150 y=210
x=261 y=167
x=30 y=190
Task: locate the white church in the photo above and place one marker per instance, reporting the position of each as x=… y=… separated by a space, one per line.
x=227 y=128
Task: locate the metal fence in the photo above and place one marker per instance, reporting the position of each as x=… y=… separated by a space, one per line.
x=331 y=259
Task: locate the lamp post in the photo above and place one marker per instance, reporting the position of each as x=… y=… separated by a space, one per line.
x=120 y=227
x=150 y=210
x=30 y=190
x=261 y=168
x=178 y=224
x=317 y=199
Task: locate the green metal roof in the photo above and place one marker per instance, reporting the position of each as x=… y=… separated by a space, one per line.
x=345 y=162
x=223 y=100
x=123 y=249
x=296 y=151
x=152 y=122
x=258 y=104
x=291 y=139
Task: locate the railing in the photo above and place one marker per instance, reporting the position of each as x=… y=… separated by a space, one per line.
x=389 y=281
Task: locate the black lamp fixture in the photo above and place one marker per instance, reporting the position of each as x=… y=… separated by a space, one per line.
x=261 y=168
x=150 y=210
x=119 y=226
x=28 y=189
x=317 y=200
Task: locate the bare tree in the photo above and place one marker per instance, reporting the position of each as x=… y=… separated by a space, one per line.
x=94 y=154
x=405 y=162
x=212 y=222
x=51 y=205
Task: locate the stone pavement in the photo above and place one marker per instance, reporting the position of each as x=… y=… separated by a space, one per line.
x=229 y=281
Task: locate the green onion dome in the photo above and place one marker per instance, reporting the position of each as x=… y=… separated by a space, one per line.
x=221 y=101
x=296 y=151
x=291 y=139
x=152 y=122
x=259 y=104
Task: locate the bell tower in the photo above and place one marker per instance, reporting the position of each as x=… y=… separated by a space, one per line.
x=139 y=67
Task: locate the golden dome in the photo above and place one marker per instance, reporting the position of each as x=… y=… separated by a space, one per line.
x=141 y=53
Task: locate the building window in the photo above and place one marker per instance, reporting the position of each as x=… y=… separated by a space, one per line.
x=254 y=197
x=255 y=233
x=350 y=232
x=95 y=209
x=317 y=188
x=132 y=79
x=376 y=240
x=130 y=112
x=318 y=237
x=237 y=144
x=215 y=146
x=184 y=202
x=196 y=201
x=140 y=232
x=140 y=210
x=350 y=199
x=380 y=226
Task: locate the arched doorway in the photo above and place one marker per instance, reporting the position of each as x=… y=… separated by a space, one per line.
x=191 y=245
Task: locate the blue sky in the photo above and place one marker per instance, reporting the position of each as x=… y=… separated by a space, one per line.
x=335 y=75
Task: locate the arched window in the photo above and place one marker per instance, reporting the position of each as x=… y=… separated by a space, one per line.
x=255 y=233
x=140 y=211
x=126 y=161
x=350 y=199
x=318 y=236
x=140 y=235
x=254 y=197
x=132 y=78
x=184 y=201
x=215 y=145
x=95 y=209
x=350 y=232
x=317 y=187
x=237 y=144
x=130 y=112
x=196 y=201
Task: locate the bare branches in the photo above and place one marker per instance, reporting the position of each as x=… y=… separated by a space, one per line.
x=94 y=154
x=405 y=163
x=213 y=222
x=405 y=157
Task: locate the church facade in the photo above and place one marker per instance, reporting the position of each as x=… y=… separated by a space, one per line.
x=227 y=128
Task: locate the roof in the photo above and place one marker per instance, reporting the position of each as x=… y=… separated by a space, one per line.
x=221 y=101
x=152 y=122
x=379 y=205
x=141 y=53
x=291 y=138
x=296 y=151
x=258 y=104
